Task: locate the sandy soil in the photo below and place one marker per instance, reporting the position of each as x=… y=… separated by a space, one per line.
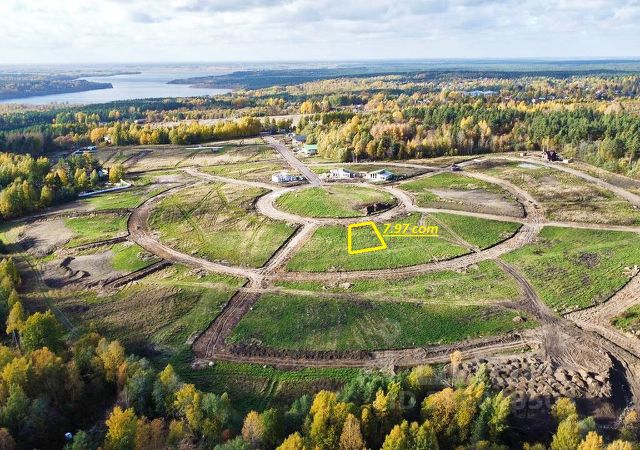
x=42 y=238
x=88 y=270
x=480 y=200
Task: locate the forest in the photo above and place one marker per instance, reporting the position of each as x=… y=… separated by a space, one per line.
x=609 y=138
x=28 y=184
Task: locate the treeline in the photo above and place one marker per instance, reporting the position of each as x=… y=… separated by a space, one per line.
x=28 y=184
x=609 y=138
x=183 y=134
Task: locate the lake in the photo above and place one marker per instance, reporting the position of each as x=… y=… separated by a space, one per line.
x=148 y=84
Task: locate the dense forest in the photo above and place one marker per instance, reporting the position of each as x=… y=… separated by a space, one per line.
x=609 y=138
x=28 y=184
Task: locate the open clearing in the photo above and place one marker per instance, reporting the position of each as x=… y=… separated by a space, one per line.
x=218 y=222
x=399 y=172
x=484 y=283
x=158 y=157
x=95 y=228
x=156 y=316
x=311 y=323
x=249 y=171
x=577 y=268
x=91 y=267
x=412 y=303
x=453 y=191
x=326 y=250
x=564 y=196
x=337 y=201
x=42 y=238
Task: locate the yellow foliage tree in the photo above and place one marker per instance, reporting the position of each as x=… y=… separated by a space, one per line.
x=351 y=437
x=121 y=429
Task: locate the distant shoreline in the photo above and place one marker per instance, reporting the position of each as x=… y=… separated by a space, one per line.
x=87 y=86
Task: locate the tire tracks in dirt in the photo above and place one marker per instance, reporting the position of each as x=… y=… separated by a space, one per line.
x=583 y=346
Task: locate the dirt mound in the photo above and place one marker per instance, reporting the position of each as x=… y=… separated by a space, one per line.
x=88 y=270
x=535 y=383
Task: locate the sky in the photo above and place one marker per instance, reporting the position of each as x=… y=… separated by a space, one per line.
x=93 y=31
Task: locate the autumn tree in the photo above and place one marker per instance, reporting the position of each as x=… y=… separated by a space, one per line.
x=121 y=429
x=293 y=442
x=253 y=429
x=351 y=437
x=327 y=418
x=42 y=330
x=592 y=441
x=116 y=173
x=567 y=437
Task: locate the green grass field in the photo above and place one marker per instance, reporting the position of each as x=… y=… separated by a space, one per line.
x=447 y=180
x=575 y=268
x=218 y=222
x=159 y=312
x=486 y=197
x=250 y=171
x=309 y=322
x=326 y=250
x=127 y=199
x=486 y=283
x=337 y=201
x=93 y=229
x=481 y=233
x=131 y=257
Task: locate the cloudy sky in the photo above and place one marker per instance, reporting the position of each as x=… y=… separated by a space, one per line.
x=77 y=31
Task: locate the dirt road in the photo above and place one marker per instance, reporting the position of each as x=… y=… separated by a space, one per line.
x=294 y=162
x=583 y=340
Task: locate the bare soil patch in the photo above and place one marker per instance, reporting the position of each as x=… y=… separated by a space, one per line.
x=86 y=270
x=479 y=200
x=42 y=238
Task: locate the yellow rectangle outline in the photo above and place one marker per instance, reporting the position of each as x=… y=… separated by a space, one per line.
x=371 y=224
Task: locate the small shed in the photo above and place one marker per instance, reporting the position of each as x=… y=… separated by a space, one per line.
x=310 y=149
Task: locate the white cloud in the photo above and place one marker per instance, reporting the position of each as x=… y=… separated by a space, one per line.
x=34 y=31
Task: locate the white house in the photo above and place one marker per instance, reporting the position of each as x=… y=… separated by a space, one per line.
x=341 y=173
x=284 y=177
x=380 y=175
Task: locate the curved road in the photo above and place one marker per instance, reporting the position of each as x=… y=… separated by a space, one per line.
x=582 y=346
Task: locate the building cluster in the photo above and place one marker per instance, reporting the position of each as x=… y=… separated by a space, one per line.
x=285 y=177
x=299 y=145
x=346 y=174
